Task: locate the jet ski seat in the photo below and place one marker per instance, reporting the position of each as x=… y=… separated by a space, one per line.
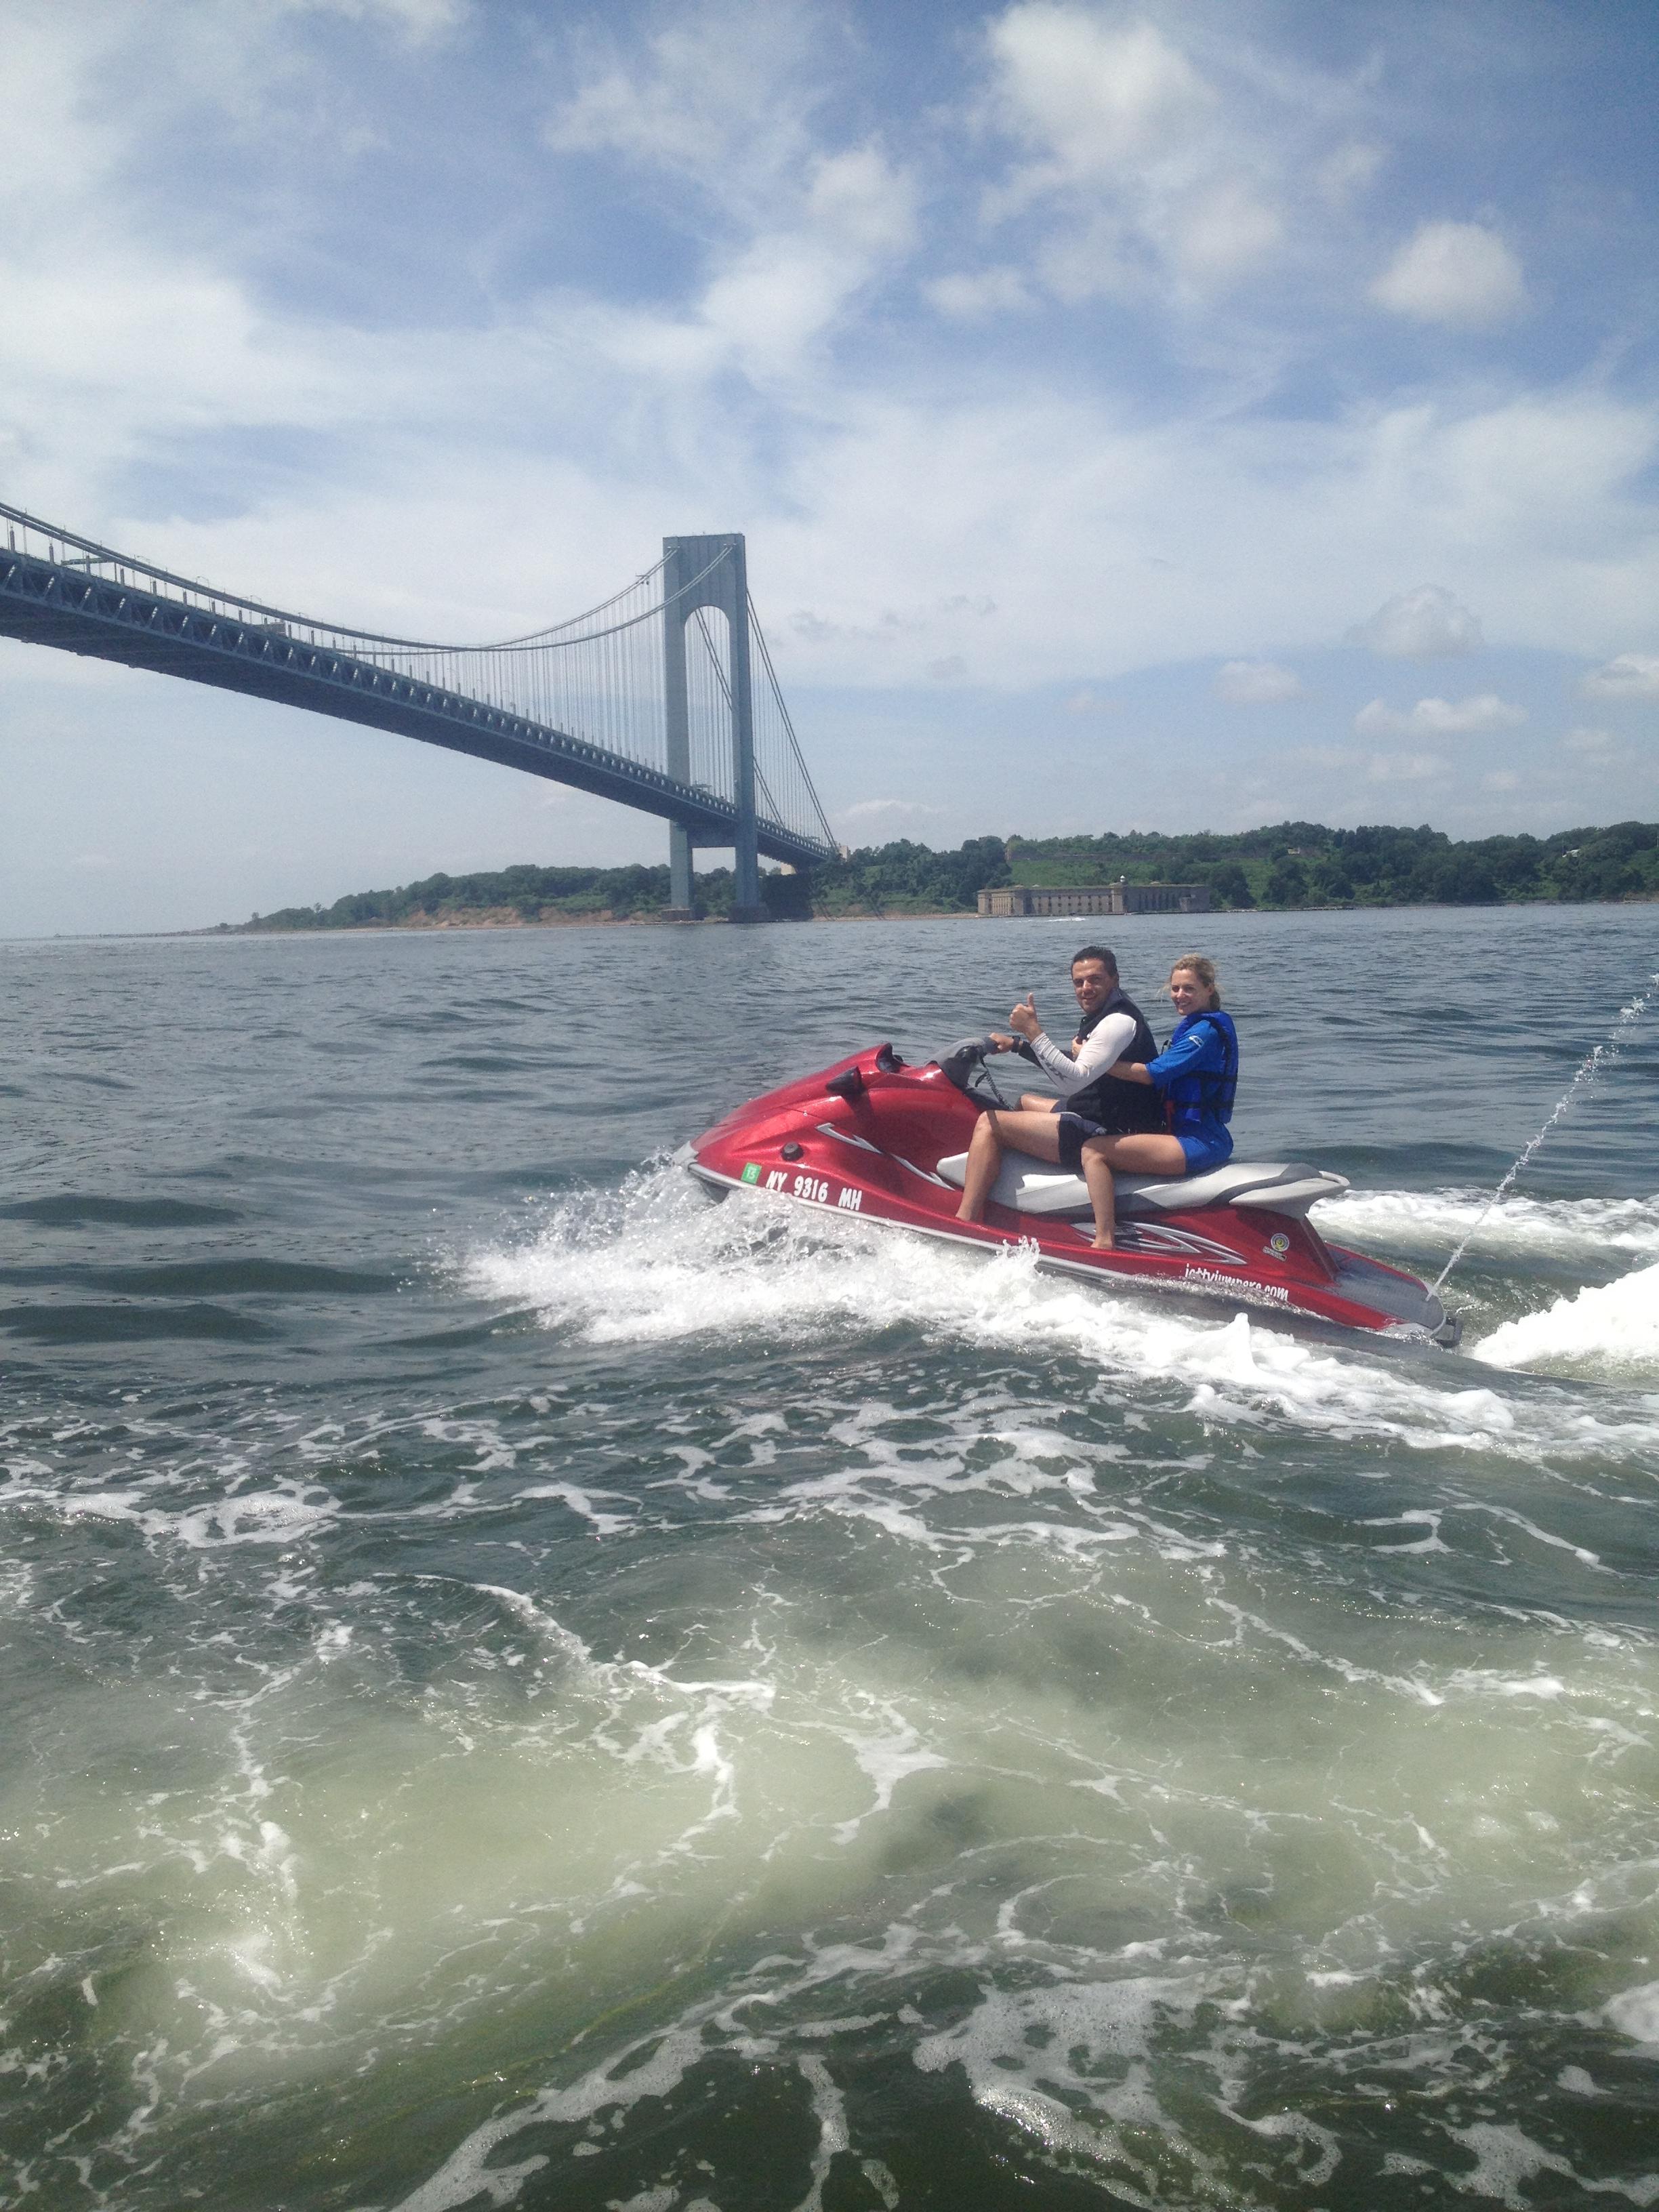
x=1030 y=1187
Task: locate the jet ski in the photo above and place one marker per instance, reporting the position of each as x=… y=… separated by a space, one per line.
x=879 y=1140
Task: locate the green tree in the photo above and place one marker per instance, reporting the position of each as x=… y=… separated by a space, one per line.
x=1288 y=884
x=1228 y=883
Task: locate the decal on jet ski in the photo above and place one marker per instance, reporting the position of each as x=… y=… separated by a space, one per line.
x=845 y=1137
x=1208 y=1278
x=1160 y=1236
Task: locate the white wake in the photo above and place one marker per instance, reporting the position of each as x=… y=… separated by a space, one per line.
x=1609 y=1331
x=655 y=1263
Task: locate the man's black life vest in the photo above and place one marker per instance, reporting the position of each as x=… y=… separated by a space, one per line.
x=1121 y=1109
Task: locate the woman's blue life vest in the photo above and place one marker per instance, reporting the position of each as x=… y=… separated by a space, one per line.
x=1200 y=1088
x=1121 y=1109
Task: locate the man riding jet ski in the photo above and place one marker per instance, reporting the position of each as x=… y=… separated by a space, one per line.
x=888 y=1143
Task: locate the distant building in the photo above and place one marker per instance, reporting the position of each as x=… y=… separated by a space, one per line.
x=1119 y=897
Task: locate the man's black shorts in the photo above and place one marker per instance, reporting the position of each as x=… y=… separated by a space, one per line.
x=1075 y=1130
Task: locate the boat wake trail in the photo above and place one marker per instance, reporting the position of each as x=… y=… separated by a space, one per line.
x=1526 y=1229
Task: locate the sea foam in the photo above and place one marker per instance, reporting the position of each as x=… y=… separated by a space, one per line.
x=1610 y=1330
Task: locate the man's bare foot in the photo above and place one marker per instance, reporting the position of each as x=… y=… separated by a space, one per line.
x=1105 y=1245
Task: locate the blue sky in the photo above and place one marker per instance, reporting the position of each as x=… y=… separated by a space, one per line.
x=1167 y=417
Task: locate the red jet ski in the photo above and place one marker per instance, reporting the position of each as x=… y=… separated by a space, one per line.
x=875 y=1139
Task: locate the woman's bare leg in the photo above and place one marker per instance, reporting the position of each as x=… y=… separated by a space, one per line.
x=1036 y=1134
x=1102 y=1193
x=1147 y=1152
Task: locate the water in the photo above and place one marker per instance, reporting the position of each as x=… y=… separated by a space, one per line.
x=525 y=1688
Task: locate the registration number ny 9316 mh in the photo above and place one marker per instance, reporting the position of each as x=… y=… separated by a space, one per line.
x=817 y=1190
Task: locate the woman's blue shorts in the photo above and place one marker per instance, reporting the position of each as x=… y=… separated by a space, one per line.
x=1204 y=1151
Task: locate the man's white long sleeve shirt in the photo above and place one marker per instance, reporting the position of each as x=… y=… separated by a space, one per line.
x=1106 y=1044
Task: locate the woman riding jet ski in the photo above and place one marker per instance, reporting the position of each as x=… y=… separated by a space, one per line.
x=902 y=1146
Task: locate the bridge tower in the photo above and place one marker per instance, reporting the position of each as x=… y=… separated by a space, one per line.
x=685 y=588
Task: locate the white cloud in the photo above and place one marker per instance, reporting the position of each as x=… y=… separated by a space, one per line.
x=1091 y=703
x=1091 y=95
x=723 y=100
x=1345 y=174
x=1439 y=718
x=1459 y=274
x=1256 y=683
x=873 y=810
x=998 y=291
x=1501 y=779
x=417 y=20
x=1219 y=233
x=893 y=626
x=1112 y=544
x=1426 y=624
x=1149 y=169
x=789 y=286
x=1405 y=767
x=1628 y=675
x=858 y=201
x=1582 y=740
x=725 y=103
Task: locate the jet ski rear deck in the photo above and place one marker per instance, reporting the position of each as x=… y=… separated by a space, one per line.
x=873 y=1138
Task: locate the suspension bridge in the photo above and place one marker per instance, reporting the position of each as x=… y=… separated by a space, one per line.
x=650 y=698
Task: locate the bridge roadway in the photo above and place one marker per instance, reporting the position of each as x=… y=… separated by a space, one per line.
x=59 y=603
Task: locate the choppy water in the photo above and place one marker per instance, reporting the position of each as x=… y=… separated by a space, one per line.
x=525 y=1688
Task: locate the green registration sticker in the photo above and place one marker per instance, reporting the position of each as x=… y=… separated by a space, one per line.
x=751 y=1173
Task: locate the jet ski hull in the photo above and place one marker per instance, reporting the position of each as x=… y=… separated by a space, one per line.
x=876 y=1140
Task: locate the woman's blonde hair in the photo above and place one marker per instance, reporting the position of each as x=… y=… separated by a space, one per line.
x=1196 y=964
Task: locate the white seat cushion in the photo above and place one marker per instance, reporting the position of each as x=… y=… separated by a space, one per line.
x=1032 y=1187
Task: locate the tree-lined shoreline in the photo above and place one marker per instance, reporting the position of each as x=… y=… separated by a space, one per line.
x=1279 y=869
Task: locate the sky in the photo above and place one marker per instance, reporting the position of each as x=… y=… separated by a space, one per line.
x=1168 y=416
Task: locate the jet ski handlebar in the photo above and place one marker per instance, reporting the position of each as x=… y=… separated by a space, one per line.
x=961 y=1061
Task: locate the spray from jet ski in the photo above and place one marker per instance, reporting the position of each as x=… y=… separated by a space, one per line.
x=1599 y=1057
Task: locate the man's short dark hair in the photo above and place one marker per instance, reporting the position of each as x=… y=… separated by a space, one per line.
x=1104 y=953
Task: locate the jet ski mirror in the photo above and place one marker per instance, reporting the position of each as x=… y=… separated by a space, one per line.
x=888 y=1060
x=849 y=1085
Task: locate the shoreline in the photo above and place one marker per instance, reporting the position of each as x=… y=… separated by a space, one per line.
x=430 y=926
x=427 y=927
